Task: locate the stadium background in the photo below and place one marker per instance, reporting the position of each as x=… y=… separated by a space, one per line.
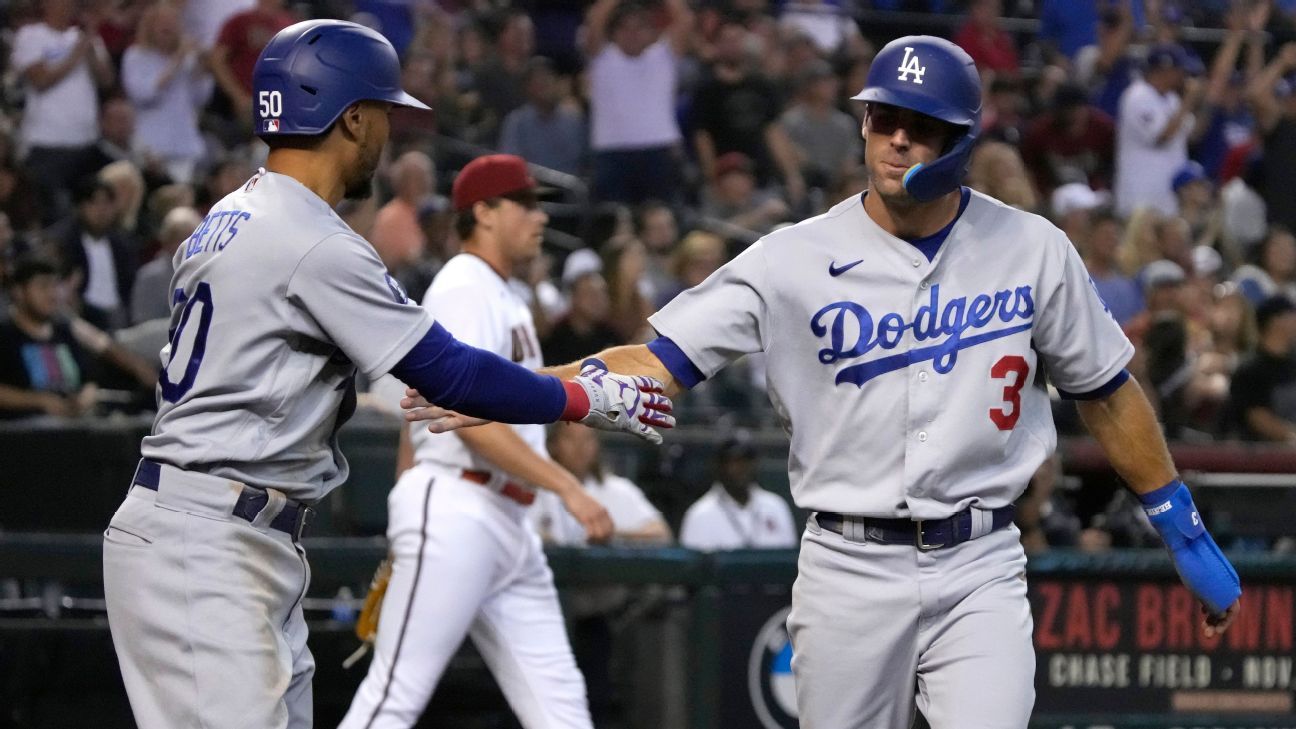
x=670 y=637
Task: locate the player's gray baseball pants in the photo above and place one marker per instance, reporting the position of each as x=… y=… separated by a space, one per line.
x=870 y=622
x=204 y=609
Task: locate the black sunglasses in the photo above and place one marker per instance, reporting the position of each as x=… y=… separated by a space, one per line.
x=885 y=119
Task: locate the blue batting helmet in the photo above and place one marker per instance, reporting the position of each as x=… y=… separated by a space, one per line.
x=931 y=76
x=310 y=72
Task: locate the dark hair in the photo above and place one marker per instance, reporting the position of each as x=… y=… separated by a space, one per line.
x=298 y=141
x=492 y=24
x=84 y=189
x=737 y=445
x=29 y=267
x=649 y=206
x=1272 y=308
x=539 y=65
x=465 y=222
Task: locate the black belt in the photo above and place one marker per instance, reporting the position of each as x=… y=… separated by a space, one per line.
x=292 y=520
x=925 y=534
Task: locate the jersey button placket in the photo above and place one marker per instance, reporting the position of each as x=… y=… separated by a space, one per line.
x=923 y=397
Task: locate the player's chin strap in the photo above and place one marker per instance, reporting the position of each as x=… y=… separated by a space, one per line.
x=926 y=182
x=1202 y=566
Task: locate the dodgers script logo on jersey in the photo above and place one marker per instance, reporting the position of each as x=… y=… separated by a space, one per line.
x=910 y=65
x=953 y=321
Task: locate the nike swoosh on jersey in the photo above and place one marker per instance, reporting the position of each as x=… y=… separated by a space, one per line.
x=834 y=270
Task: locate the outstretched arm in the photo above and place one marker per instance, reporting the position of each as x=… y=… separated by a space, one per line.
x=595 y=32
x=483 y=385
x=635 y=360
x=631 y=359
x=1126 y=428
x=1260 y=92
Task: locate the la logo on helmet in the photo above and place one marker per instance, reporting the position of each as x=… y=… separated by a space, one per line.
x=910 y=65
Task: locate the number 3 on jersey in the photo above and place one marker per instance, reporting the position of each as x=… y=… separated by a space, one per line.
x=171 y=390
x=1009 y=366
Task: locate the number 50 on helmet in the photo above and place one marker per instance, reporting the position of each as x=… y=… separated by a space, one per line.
x=310 y=72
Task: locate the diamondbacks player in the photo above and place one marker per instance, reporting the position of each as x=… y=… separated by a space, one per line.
x=905 y=331
x=466 y=560
x=276 y=305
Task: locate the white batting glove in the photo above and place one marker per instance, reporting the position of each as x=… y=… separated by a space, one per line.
x=631 y=403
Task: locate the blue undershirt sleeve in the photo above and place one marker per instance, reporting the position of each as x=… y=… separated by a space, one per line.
x=677 y=363
x=478 y=383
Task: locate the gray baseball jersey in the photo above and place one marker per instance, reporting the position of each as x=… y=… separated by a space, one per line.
x=912 y=384
x=276 y=303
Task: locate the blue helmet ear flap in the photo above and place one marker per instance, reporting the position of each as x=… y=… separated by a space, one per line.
x=926 y=182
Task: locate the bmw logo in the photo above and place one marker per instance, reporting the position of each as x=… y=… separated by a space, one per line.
x=769 y=674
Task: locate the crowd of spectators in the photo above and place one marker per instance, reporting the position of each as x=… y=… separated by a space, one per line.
x=682 y=130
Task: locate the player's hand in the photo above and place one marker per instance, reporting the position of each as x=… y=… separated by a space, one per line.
x=590 y=513
x=631 y=403
x=1214 y=624
x=439 y=419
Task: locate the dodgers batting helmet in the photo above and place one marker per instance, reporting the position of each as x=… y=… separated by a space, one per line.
x=931 y=76
x=310 y=72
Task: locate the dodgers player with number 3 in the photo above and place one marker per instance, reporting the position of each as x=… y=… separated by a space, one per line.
x=457 y=520
x=906 y=330
x=276 y=305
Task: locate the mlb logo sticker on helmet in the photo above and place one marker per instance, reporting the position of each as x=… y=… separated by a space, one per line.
x=310 y=72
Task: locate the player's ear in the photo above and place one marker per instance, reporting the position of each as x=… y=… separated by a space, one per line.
x=351 y=122
x=481 y=211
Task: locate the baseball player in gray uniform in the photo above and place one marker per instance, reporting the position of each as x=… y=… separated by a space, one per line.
x=906 y=331
x=276 y=304
x=466 y=560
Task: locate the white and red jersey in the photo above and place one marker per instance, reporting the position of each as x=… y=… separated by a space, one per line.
x=481 y=308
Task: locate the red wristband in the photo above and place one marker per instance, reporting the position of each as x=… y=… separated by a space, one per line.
x=578 y=404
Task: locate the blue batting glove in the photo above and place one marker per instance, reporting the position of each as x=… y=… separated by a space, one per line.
x=1200 y=563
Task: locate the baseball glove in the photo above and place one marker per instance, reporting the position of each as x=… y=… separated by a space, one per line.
x=366 y=627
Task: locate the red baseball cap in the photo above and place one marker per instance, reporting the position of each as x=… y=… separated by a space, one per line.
x=494 y=175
